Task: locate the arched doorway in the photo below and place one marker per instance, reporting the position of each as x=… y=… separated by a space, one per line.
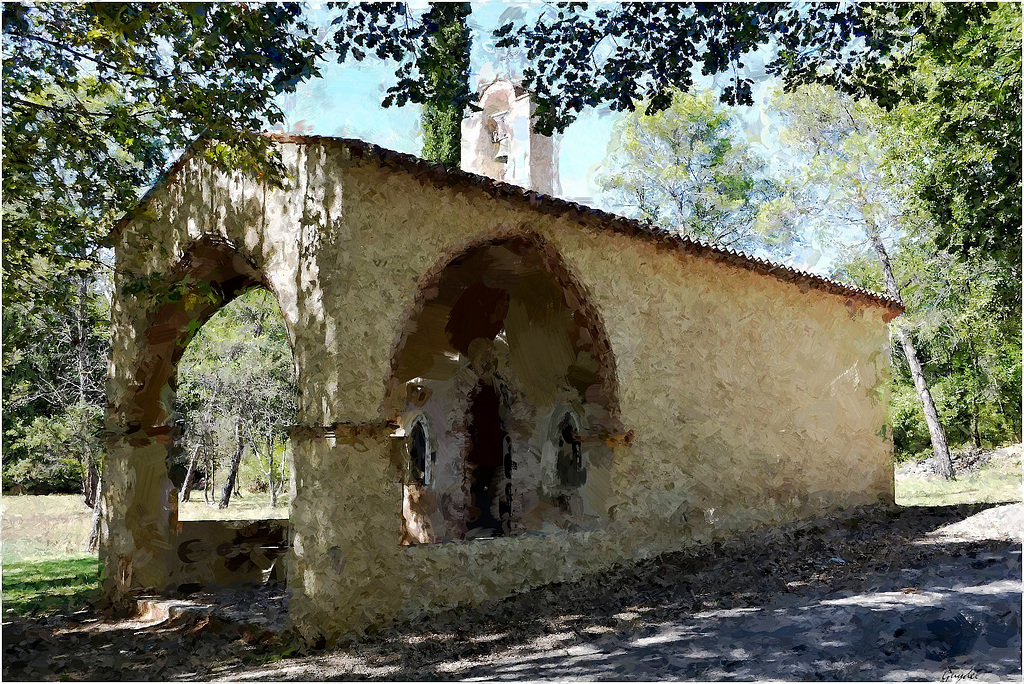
x=500 y=338
x=489 y=508
x=235 y=403
x=211 y=274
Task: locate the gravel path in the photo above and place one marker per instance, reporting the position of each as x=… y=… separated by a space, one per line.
x=918 y=593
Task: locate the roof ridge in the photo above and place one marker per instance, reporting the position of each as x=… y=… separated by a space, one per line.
x=558 y=205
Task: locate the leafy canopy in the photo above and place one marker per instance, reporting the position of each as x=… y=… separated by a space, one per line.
x=963 y=133
x=432 y=55
x=97 y=96
x=958 y=65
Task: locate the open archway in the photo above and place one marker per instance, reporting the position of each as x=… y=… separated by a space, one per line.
x=501 y=337
x=235 y=402
x=212 y=274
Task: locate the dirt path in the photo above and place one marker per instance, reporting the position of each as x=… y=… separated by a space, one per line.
x=917 y=593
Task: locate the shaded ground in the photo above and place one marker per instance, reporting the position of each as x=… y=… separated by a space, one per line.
x=912 y=593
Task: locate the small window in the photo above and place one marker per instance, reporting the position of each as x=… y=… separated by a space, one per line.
x=570 y=467
x=500 y=136
x=420 y=455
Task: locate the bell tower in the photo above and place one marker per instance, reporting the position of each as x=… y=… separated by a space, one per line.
x=499 y=141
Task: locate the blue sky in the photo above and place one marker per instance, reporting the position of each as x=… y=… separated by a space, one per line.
x=346 y=103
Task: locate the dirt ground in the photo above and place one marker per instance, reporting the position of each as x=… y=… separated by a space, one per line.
x=914 y=593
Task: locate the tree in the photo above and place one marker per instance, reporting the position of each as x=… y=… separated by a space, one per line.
x=957 y=64
x=685 y=168
x=432 y=55
x=839 y=185
x=961 y=138
x=54 y=388
x=97 y=96
x=964 y=116
x=236 y=460
x=654 y=52
x=970 y=345
x=637 y=52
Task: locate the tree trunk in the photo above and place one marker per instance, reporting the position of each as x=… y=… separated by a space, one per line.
x=94 y=531
x=229 y=483
x=90 y=472
x=975 y=395
x=211 y=458
x=190 y=474
x=944 y=463
x=92 y=481
x=270 y=473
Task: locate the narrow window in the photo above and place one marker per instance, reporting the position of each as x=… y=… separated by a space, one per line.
x=419 y=454
x=571 y=471
x=500 y=136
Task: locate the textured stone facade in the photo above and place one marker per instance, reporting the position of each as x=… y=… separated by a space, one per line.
x=707 y=392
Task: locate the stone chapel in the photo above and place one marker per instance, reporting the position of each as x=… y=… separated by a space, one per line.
x=498 y=388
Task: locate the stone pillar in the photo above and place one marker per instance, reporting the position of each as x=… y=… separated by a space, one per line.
x=346 y=529
x=139 y=508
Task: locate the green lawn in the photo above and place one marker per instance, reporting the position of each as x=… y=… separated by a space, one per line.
x=997 y=481
x=41 y=586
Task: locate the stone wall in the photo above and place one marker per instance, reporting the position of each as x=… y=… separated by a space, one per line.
x=740 y=399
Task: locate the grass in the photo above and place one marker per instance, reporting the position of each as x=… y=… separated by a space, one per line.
x=997 y=481
x=44 y=526
x=46 y=567
x=42 y=586
x=247 y=506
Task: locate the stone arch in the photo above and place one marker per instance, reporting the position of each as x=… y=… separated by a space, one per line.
x=501 y=318
x=210 y=274
x=148 y=546
x=541 y=253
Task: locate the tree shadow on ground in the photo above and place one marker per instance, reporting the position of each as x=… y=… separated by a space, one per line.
x=858 y=598
x=36 y=587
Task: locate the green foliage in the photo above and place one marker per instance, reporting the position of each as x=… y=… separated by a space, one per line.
x=835 y=183
x=432 y=55
x=634 y=52
x=54 y=386
x=958 y=315
x=953 y=69
x=33 y=588
x=55 y=451
x=97 y=96
x=964 y=126
x=238 y=369
x=970 y=345
x=445 y=65
x=159 y=290
x=684 y=168
x=909 y=430
x=860 y=269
